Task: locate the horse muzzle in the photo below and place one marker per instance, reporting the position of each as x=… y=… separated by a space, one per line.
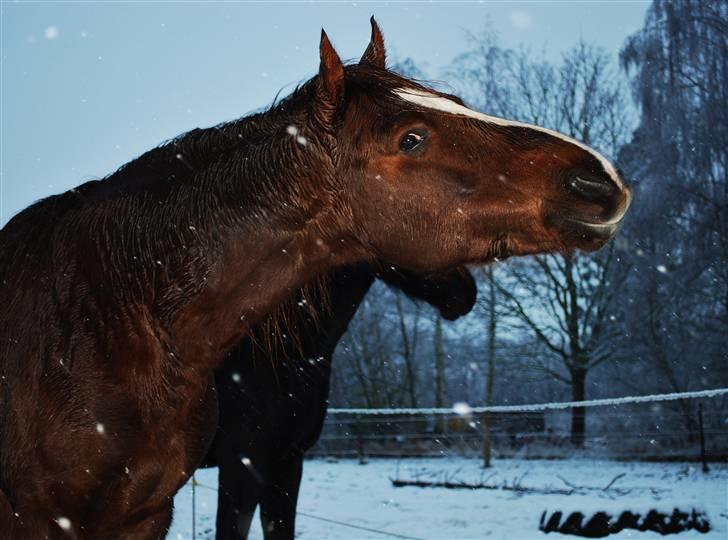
x=595 y=228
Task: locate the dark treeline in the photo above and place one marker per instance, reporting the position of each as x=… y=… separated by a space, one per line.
x=648 y=313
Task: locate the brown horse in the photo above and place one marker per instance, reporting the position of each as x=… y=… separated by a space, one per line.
x=121 y=296
x=273 y=402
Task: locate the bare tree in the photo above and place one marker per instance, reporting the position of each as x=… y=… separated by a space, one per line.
x=680 y=66
x=409 y=334
x=679 y=63
x=439 y=349
x=568 y=307
x=369 y=354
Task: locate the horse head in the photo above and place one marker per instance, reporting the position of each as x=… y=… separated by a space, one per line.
x=426 y=183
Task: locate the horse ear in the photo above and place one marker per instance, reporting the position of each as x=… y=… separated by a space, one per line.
x=331 y=75
x=375 y=54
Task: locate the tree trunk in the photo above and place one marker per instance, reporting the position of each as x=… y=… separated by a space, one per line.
x=408 y=354
x=490 y=358
x=578 y=414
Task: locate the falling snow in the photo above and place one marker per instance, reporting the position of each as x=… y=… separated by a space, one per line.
x=64 y=523
x=461 y=408
x=51 y=32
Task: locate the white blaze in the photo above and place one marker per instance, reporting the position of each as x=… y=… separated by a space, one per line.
x=440 y=103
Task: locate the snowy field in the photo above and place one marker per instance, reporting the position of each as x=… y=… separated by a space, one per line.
x=363 y=496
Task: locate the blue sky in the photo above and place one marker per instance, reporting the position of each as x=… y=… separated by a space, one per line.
x=87 y=86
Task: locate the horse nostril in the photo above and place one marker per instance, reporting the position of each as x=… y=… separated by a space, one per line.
x=590 y=187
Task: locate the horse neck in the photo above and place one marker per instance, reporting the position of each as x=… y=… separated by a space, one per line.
x=238 y=243
x=249 y=280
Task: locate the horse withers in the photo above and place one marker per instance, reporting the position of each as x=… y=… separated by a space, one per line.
x=120 y=297
x=273 y=398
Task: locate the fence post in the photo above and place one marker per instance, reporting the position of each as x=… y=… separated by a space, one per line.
x=194 y=520
x=359 y=428
x=702 y=438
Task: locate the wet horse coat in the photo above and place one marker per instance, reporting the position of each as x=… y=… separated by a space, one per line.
x=119 y=298
x=273 y=400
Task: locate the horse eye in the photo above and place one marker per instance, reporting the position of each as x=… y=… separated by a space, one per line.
x=411 y=141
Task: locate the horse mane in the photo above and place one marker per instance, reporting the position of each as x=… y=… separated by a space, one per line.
x=284 y=327
x=182 y=156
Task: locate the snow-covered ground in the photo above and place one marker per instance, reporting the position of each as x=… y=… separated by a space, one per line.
x=363 y=496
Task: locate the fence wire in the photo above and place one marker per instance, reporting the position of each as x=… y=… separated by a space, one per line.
x=534 y=407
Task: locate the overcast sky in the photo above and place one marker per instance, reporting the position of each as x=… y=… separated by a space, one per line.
x=87 y=86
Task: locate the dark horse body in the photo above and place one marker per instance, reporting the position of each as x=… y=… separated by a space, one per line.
x=119 y=298
x=272 y=405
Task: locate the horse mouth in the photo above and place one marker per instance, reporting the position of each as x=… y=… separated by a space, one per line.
x=584 y=229
x=595 y=229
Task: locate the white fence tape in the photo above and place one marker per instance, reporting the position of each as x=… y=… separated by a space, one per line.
x=464 y=409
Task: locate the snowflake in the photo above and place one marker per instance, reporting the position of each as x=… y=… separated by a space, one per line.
x=461 y=408
x=51 y=32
